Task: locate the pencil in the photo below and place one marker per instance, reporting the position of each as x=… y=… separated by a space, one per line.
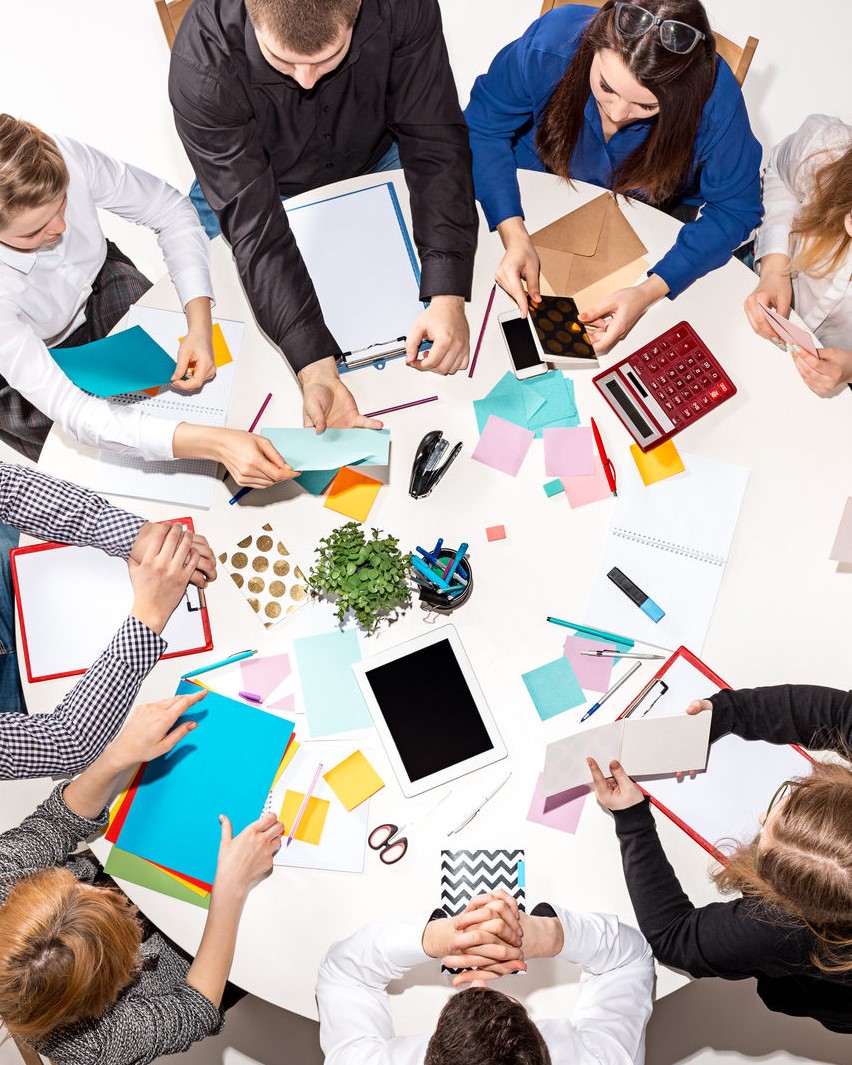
x=298 y=818
x=401 y=406
x=259 y=414
x=482 y=330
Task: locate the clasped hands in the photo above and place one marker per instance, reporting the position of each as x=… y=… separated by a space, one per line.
x=490 y=938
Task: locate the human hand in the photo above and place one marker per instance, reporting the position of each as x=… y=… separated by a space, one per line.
x=487 y=936
x=195 y=360
x=205 y=567
x=445 y=324
x=617 y=792
x=519 y=264
x=827 y=375
x=774 y=290
x=327 y=402
x=248 y=856
x=150 y=732
x=168 y=561
x=251 y=460
x=612 y=319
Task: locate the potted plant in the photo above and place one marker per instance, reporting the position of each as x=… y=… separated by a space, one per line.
x=365 y=576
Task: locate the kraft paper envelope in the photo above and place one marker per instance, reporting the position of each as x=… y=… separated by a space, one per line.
x=586 y=246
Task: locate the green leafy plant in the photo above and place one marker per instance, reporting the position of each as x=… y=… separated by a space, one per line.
x=367 y=577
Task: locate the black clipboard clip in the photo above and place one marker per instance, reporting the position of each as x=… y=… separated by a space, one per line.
x=427 y=468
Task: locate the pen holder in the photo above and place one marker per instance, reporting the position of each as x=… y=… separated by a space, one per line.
x=432 y=598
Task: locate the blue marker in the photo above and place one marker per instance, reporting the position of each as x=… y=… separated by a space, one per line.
x=635 y=594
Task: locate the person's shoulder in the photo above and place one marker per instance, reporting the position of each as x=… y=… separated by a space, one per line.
x=212 y=32
x=559 y=31
x=726 y=89
x=825 y=133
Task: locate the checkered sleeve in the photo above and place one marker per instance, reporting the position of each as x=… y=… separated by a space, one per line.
x=75 y=733
x=51 y=509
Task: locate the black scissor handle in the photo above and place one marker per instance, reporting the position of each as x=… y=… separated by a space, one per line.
x=381 y=835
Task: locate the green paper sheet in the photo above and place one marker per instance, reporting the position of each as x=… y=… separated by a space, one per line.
x=126 y=866
x=554 y=688
x=124 y=362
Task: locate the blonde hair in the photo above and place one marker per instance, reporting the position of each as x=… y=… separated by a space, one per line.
x=803 y=867
x=32 y=170
x=820 y=223
x=67 y=950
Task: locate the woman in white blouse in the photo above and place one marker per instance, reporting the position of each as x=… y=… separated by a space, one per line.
x=803 y=250
x=62 y=283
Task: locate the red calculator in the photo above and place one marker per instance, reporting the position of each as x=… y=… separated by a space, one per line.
x=665 y=386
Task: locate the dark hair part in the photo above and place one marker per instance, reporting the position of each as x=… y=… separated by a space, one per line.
x=306 y=26
x=803 y=866
x=479 y=1026
x=658 y=168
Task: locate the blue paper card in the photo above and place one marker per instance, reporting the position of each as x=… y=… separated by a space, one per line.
x=225 y=766
x=306 y=449
x=124 y=362
x=333 y=700
x=554 y=688
x=316 y=481
x=545 y=402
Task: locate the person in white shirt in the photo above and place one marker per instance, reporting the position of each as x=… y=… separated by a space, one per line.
x=803 y=250
x=63 y=283
x=483 y=1026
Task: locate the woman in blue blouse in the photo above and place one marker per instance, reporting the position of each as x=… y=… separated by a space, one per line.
x=632 y=98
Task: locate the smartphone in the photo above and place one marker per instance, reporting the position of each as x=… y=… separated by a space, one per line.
x=522 y=345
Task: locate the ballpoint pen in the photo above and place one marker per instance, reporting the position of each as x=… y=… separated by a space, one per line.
x=617 y=654
x=599 y=634
x=487 y=798
x=298 y=818
x=238 y=657
x=606 y=461
x=612 y=691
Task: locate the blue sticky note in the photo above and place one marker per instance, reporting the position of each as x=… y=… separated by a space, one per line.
x=225 y=766
x=316 y=481
x=306 y=449
x=124 y=362
x=333 y=700
x=553 y=688
x=553 y=488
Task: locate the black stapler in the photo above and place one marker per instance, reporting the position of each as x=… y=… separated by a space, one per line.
x=425 y=470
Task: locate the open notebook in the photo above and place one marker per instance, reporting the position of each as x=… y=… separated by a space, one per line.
x=672 y=540
x=188 y=482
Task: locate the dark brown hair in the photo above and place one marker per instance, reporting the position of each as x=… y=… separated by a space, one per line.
x=820 y=223
x=32 y=170
x=67 y=950
x=658 y=168
x=479 y=1026
x=802 y=868
x=306 y=26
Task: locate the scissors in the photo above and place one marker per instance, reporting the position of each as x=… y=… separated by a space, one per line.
x=387 y=841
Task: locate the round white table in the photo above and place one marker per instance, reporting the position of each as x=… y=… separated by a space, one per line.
x=783 y=613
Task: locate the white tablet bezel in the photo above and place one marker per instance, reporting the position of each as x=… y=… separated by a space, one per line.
x=408 y=786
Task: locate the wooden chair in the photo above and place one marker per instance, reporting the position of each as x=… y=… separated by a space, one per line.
x=28 y=1055
x=738 y=57
x=171 y=15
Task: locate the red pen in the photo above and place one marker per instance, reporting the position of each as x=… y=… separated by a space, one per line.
x=606 y=461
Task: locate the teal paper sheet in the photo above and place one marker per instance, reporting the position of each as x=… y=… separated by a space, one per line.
x=333 y=700
x=316 y=481
x=305 y=449
x=225 y=766
x=545 y=402
x=554 y=688
x=124 y=362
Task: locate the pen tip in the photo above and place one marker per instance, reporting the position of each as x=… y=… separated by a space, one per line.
x=614 y=492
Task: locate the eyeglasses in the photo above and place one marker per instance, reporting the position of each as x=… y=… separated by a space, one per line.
x=780 y=793
x=633 y=21
x=391 y=849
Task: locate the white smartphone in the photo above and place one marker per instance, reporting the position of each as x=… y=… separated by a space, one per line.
x=522 y=345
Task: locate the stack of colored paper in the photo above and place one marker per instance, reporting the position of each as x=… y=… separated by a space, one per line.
x=545 y=402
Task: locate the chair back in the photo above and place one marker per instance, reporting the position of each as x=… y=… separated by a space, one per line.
x=171 y=15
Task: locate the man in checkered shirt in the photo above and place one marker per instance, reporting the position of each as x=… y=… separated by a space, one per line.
x=162 y=559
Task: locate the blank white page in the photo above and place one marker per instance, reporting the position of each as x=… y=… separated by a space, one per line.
x=359 y=260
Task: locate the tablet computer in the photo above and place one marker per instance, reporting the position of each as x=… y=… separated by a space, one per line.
x=429 y=710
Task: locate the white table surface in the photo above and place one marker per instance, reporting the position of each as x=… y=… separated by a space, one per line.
x=783 y=614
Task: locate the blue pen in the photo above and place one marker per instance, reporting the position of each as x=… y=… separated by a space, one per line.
x=448 y=576
x=612 y=690
x=236 y=498
x=428 y=555
x=218 y=665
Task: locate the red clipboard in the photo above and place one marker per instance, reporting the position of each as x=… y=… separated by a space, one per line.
x=20 y=557
x=665 y=788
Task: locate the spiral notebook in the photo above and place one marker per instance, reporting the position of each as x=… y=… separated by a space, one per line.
x=672 y=540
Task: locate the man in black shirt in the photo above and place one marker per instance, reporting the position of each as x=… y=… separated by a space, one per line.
x=272 y=97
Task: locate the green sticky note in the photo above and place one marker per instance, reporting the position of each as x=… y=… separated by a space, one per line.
x=553 y=488
x=554 y=688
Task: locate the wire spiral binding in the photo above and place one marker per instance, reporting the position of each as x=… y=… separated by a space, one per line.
x=667 y=545
x=159 y=405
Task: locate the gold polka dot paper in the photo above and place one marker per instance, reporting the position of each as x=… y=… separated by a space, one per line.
x=264 y=571
x=559 y=329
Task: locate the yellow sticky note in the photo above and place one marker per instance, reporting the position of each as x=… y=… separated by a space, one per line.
x=353 y=494
x=658 y=463
x=221 y=352
x=292 y=747
x=313 y=819
x=353 y=780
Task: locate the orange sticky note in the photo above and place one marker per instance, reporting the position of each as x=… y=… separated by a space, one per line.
x=353 y=780
x=352 y=493
x=657 y=464
x=310 y=827
x=221 y=352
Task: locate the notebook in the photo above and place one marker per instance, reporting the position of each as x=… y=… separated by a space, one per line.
x=188 y=482
x=672 y=540
x=723 y=802
x=83 y=595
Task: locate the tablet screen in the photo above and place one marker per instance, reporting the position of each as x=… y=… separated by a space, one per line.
x=429 y=710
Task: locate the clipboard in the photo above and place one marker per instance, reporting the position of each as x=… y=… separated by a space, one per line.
x=707 y=808
x=71 y=600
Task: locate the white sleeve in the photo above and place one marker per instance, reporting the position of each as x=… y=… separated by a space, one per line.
x=354 y=1011
x=28 y=367
x=614 y=1002
x=149 y=201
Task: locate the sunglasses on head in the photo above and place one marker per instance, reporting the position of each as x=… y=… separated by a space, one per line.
x=633 y=22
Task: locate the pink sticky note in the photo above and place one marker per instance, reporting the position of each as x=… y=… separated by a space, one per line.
x=569 y=452
x=593 y=673
x=263 y=675
x=287 y=704
x=559 y=811
x=496 y=532
x=583 y=490
x=503 y=445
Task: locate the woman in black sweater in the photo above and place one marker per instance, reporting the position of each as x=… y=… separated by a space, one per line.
x=792 y=927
